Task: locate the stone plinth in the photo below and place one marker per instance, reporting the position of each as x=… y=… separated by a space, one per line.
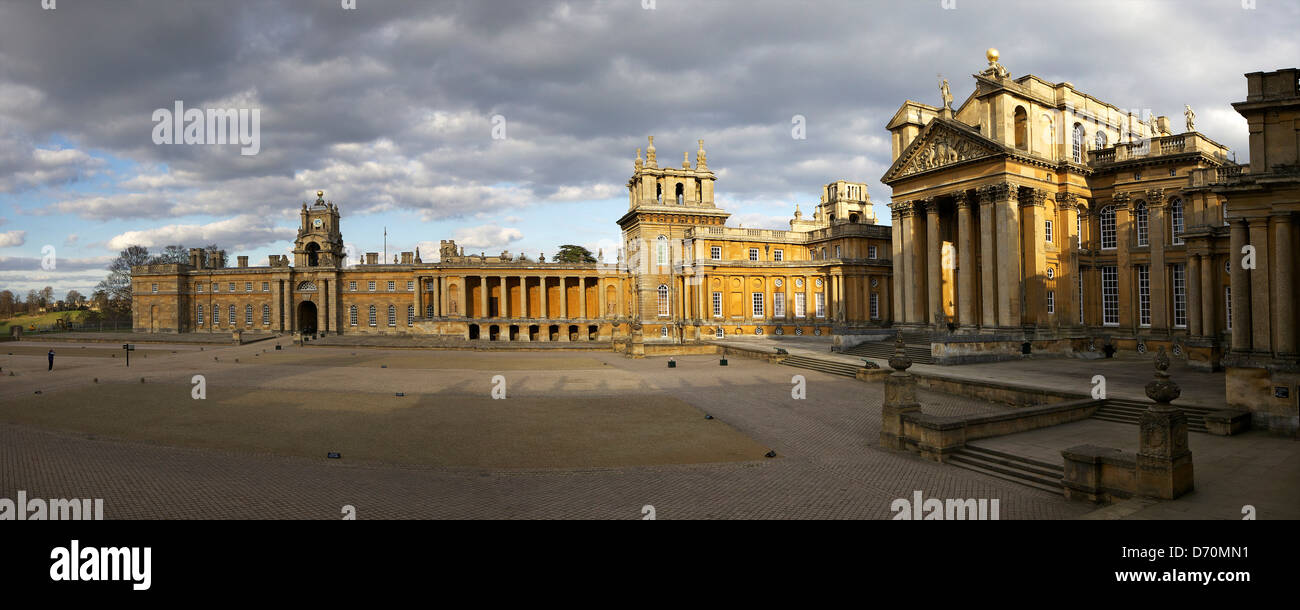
x=900 y=399
x=1164 y=463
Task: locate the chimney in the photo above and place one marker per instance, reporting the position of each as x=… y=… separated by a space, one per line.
x=407 y=258
x=243 y=261
x=372 y=258
x=196 y=258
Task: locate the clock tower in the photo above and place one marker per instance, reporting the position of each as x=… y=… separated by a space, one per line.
x=319 y=242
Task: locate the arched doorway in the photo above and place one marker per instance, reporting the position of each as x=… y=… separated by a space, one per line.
x=313 y=254
x=307 y=317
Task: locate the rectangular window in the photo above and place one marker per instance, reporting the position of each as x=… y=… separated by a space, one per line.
x=758 y=304
x=1176 y=222
x=1143 y=227
x=821 y=304
x=1107 y=223
x=715 y=253
x=198 y=288
x=837 y=251
x=753 y=254
x=717 y=304
x=216 y=287
x=1051 y=301
x=718 y=332
x=266 y=286
x=371 y=319
x=232 y=315
x=392 y=286
x=1180 y=296
x=778 y=255
x=392 y=316
x=352 y=287
x=266 y=315
x=1110 y=296
x=800 y=304
x=410 y=315
x=248 y=286
x=871 y=252
x=1047 y=232
x=200 y=315
x=663 y=331
x=154 y=288
x=248 y=314
x=372 y=285
x=875 y=306
x=232 y=286
x=1078 y=284
x=410 y=285
x=429 y=287
x=1227 y=306
x=1144 y=295
x=778 y=305
x=352 y=315
x=1078 y=229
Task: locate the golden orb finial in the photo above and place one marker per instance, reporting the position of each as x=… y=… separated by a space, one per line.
x=320 y=193
x=992 y=55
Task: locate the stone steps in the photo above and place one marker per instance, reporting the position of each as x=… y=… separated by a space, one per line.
x=919 y=353
x=825 y=366
x=1126 y=412
x=1009 y=467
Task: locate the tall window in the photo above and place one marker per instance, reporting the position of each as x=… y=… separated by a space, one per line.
x=800 y=304
x=1047 y=232
x=871 y=252
x=1176 y=220
x=266 y=286
x=1051 y=301
x=1227 y=307
x=758 y=304
x=1110 y=296
x=1180 y=296
x=200 y=315
x=875 y=306
x=248 y=286
x=715 y=253
x=371 y=285
x=392 y=315
x=352 y=315
x=663 y=299
x=753 y=254
x=661 y=250
x=1140 y=219
x=371 y=318
x=352 y=286
x=1078 y=284
x=410 y=285
x=392 y=286
x=1078 y=229
x=717 y=304
x=1107 y=221
x=1022 y=128
x=837 y=251
x=1077 y=144
x=1144 y=295
x=1100 y=142
x=248 y=314
x=778 y=304
x=428 y=311
x=820 y=304
x=233 y=318
x=199 y=287
x=266 y=315
x=410 y=315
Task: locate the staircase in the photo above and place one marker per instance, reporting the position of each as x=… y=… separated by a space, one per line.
x=1130 y=412
x=826 y=366
x=915 y=345
x=1025 y=471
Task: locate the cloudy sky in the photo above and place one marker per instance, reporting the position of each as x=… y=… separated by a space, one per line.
x=389 y=108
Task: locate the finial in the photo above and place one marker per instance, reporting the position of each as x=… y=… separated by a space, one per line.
x=992 y=55
x=899 y=361
x=638 y=161
x=651 y=159
x=701 y=159
x=1162 y=389
x=686 y=164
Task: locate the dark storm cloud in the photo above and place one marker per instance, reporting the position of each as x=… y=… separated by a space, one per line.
x=389 y=106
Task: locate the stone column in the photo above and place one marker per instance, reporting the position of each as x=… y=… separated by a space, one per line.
x=1261 y=318
x=934 y=273
x=564 y=303
x=965 y=263
x=1156 y=237
x=504 y=310
x=900 y=399
x=1284 y=326
x=1067 y=277
x=1210 y=295
x=1241 y=322
x=913 y=253
x=988 y=263
x=1124 y=270
x=1164 y=463
x=601 y=301
x=325 y=303
x=1007 y=217
x=545 y=311
x=896 y=251
x=582 y=298
x=1193 y=295
x=523 y=301
x=1033 y=210
x=277 y=311
x=483 y=299
x=417 y=299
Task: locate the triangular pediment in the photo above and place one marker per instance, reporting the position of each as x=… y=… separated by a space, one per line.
x=941 y=144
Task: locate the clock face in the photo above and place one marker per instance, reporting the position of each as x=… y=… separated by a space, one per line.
x=317 y=223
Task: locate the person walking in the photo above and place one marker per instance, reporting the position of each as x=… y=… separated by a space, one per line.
x=51 y=359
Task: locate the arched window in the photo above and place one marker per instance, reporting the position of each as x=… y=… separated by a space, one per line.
x=661 y=250
x=392 y=315
x=200 y=315
x=853 y=217
x=248 y=314
x=681 y=193
x=371 y=318
x=1077 y=144
x=1022 y=128
x=1107 y=221
x=352 y=315
x=663 y=299
x=1100 y=140
x=313 y=254
x=410 y=315
x=1140 y=220
x=307 y=286
x=659 y=193
x=266 y=315
x=233 y=316
x=1176 y=220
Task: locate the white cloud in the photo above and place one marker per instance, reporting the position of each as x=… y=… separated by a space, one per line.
x=11 y=239
x=239 y=233
x=487 y=236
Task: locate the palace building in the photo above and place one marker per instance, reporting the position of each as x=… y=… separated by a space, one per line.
x=1032 y=218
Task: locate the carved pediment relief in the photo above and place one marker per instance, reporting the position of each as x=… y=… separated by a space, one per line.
x=940 y=146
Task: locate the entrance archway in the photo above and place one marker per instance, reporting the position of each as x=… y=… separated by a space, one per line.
x=307 y=317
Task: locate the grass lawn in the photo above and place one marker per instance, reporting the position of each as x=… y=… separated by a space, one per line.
x=42 y=319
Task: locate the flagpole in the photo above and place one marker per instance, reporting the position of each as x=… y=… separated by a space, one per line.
x=385 y=261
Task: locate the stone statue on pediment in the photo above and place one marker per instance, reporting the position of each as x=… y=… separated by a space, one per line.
x=946 y=94
x=1190 y=116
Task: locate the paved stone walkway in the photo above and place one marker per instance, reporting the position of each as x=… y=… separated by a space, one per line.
x=827 y=465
